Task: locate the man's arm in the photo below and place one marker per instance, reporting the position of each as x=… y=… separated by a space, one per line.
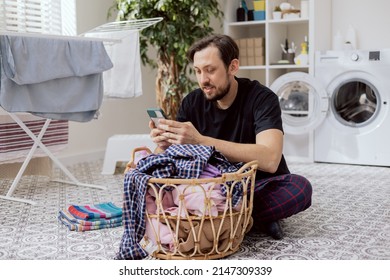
x=267 y=150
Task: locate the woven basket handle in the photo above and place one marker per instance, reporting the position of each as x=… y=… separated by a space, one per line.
x=131 y=163
x=252 y=164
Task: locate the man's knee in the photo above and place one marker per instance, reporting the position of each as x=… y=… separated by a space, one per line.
x=304 y=192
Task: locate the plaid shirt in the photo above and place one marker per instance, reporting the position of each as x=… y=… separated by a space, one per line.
x=178 y=161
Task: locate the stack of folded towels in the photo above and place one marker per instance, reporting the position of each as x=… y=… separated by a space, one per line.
x=91 y=217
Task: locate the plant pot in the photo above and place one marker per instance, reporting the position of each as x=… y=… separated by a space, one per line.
x=277 y=15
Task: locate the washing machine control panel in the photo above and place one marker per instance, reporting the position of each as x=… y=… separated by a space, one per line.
x=374 y=55
x=355 y=57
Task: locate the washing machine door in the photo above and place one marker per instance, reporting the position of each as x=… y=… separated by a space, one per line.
x=303 y=101
x=356 y=102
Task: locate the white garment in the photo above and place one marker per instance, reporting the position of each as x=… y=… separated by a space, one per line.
x=124 y=80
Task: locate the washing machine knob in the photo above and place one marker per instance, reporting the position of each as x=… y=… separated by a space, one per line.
x=355 y=57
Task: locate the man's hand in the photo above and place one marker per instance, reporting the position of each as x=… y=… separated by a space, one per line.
x=157 y=137
x=175 y=132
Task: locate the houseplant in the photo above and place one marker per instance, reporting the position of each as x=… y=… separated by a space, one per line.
x=277 y=13
x=184 y=21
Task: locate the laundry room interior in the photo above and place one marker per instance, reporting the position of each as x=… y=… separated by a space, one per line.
x=342 y=141
x=337 y=36
x=328 y=62
x=340 y=19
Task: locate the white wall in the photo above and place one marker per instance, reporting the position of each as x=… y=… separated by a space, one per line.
x=370 y=20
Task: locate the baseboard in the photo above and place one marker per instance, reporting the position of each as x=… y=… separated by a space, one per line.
x=82 y=157
x=298 y=159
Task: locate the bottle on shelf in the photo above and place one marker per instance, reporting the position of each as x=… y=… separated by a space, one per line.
x=240 y=12
x=307 y=44
x=303 y=58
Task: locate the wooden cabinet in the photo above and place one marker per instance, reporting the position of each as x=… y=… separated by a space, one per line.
x=315 y=27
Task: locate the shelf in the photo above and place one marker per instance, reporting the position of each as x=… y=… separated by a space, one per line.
x=254 y=67
x=281 y=66
x=289 y=21
x=316 y=28
x=288 y=66
x=246 y=23
x=271 y=21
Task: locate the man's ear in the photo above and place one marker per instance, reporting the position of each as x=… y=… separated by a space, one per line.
x=234 y=66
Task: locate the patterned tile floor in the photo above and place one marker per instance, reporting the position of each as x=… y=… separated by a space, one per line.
x=349 y=217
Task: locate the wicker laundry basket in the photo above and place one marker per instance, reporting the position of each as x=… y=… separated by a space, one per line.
x=214 y=230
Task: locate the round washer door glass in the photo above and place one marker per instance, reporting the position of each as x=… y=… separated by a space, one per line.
x=303 y=101
x=355 y=102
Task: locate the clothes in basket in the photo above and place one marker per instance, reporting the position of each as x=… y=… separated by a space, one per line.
x=178 y=161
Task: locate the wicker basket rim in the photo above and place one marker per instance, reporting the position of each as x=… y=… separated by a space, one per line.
x=225 y=177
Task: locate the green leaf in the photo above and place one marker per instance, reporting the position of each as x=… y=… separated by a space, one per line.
x=184 y=22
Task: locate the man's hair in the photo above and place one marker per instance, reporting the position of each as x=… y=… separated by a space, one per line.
x=228 y=49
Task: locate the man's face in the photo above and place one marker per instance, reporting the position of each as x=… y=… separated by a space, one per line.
x=212 y=76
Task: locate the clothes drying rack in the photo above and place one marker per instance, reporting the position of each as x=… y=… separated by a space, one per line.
x=118 y=26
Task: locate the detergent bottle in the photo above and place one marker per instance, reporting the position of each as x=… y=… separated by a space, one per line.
x=302 y=58
x=241 y=11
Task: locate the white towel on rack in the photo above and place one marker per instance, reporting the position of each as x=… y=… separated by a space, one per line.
x=124 y=80
x=52 y=78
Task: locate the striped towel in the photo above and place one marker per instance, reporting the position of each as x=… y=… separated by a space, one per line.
x=91 y=217
x=64 y=214
x=80 y=227
x=96 y=211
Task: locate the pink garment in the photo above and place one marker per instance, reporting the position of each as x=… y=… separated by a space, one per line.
x=166 y=200
x=210 y=171
x=154 y=227
x=140 y=155
x=195 y=198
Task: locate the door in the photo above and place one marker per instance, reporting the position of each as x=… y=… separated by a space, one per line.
x=356 y=102
x=303 y=100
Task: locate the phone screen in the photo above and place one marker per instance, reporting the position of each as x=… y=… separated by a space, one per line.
x=155 y=114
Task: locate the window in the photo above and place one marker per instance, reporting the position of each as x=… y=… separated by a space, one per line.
x=38 y=16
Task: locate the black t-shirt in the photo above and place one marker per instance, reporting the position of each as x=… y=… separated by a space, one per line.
x=255 y=109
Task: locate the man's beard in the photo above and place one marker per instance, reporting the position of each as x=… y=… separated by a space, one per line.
x=220 y=93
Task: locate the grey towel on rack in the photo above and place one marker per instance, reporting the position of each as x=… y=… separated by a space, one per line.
x=52 y=78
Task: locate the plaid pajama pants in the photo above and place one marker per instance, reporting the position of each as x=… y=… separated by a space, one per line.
x=280 y=197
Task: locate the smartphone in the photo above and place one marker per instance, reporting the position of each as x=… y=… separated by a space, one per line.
x=155 y=114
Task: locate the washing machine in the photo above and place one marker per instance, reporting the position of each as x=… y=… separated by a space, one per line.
x=341 y=114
